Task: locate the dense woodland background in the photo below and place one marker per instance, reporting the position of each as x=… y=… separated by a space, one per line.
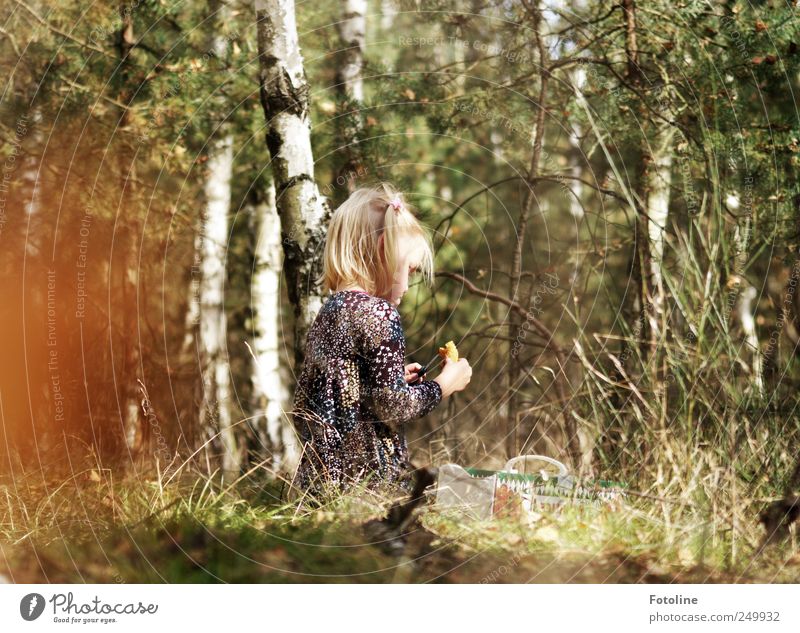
x=612 y=186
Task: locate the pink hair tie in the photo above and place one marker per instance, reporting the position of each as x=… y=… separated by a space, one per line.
x=396 y=203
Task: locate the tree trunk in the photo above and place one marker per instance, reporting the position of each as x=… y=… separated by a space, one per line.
x=515 y=320
x=192 y=319
x=656 y=196
x=30 y=176
x=215 y=413
x=653 y=190
x=577 y=159
x=206 y=318
x=136 y=431
x=631 y=47
x=587 y=434
x=641 y=267
x=270 y=397
x=350 y=89
x=388 y=14
x=514 y=374
x=304 y=213
x=746 y=311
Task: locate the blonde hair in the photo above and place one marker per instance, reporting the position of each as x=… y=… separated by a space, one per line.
x=351 y=254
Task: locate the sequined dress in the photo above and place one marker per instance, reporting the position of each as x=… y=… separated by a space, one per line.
x=352 y=401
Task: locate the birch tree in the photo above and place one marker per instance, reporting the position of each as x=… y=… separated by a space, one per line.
x=270 y=395
x=212 y=330
x=577 y=159
x=653 y=194
x=656 y=184
x=303 y=212
x=215 y=412
x=129 y=273
x=30 y=177
x=350 y=88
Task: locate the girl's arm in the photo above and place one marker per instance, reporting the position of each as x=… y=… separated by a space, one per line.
x=394 y=401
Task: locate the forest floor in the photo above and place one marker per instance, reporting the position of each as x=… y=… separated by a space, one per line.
x=89 y=529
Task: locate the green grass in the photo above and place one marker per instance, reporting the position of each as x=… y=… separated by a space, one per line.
x=88 y=528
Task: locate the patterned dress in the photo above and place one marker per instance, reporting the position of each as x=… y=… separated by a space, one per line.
x=352 y=401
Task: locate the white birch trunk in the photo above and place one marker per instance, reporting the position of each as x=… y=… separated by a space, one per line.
x=388 y=14
x=136 y=433
x=270 y=394
x=304 y=213
x=746 y=312
x=213 y=331
x=575 y=206
x=30 y=173
x=352 y=31
x=659 y=181
x=496 y=136
x=206 y=322
x=193 y=308
x=350 y=87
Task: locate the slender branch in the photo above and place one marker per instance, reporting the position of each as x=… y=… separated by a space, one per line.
x=540 y=327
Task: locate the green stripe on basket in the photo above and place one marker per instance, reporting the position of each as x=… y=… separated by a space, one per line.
x=506 y=476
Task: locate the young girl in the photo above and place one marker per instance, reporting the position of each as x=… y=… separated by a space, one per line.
x=353 y=396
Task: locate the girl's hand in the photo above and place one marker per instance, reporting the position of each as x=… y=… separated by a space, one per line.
x=455 y=376
x=411 y=372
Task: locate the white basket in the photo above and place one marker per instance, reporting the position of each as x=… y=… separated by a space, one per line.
x=483 y=494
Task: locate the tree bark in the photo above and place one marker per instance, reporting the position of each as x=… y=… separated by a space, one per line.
x=215 y=411
x=304 y=213
x=388 y=13
x=350 y=89
x=136 y=430
x=746 y=312
x=207 y=305
x=270 y=397
x=656 y=197
x=577 y=158
x=653 y=191
x=631 y=48
x=30 y=174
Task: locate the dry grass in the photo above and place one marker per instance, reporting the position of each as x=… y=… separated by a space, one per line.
x=91 y=528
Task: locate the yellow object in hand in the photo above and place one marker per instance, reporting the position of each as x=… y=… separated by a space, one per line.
x=449 y=351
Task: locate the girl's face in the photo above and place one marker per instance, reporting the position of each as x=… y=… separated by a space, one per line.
x=408 y=263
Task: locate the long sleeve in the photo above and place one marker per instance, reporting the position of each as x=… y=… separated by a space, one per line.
x=394 y=401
